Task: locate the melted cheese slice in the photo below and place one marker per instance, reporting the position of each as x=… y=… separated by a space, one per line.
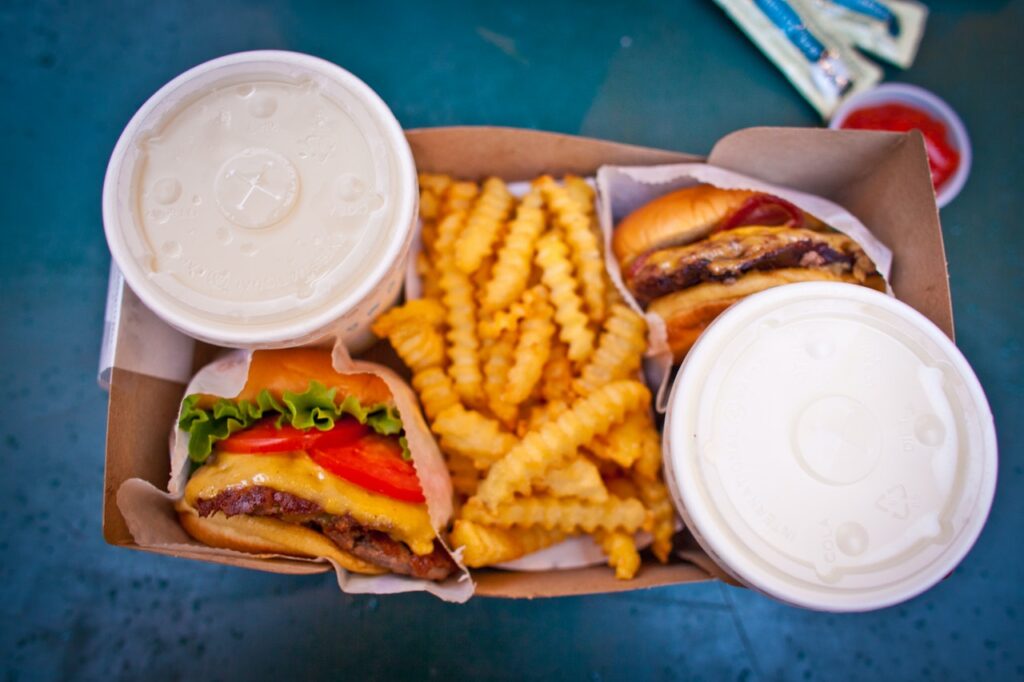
x=297 y=474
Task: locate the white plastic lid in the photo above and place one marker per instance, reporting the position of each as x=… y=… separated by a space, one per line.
x=829 y=446
x=258 y=197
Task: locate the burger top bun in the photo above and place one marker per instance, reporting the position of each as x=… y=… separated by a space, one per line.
x=679 y=217
x=293 y=369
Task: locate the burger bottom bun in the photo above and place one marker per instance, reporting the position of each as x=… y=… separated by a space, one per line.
x=262 y=535
x=688 y=312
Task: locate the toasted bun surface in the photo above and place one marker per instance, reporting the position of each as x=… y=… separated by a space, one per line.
x=292 y=369
x=676 y=218
x=263 y=535
x=689 y=311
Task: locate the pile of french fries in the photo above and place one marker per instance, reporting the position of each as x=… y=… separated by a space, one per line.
x=526 y=362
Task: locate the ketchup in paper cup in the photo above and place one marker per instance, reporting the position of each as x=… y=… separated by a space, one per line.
x=898 y=107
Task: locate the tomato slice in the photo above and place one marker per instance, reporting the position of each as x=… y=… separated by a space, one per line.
x=763 y=209
x=264 y=436
x=375 y=463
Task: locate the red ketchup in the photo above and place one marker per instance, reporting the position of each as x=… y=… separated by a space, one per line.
x=942 y=157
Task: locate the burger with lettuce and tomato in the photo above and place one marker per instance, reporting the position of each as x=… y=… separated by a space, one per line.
x=309 y=462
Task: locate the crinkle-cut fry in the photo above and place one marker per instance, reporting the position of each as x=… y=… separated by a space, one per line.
x=436 y=391
x=486 y=545
x=471 y=434
x=579 y=478
x=430 y=206
x=557 y=377
x=496 y=369
x=540 y=414
x=412 y=331
x=622 y=486
x=553 y=442
x=414 y=312
x=511 y=272
x=560 y=513
x=448 y=229
x=463 y=345
x=586 y=253
x=654 y=495
x=625 y=442
x=532 y=348
x=620 y=350
x=483 y=225
x=648 y=464
x=465 y=477
x=492 y=324
x=581 y=192
x=436 y=183
x=459 y=196
x=429 y=277
x=556 y=274
x=620 y=548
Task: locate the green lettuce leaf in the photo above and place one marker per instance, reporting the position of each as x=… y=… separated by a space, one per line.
x=314 y=408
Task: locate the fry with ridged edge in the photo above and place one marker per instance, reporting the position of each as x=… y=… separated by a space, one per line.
x=486 y=545
x=512 y=269
x=556 y=274
x=586 y=253
x=555 y=441
x=496 y=374
x=436 y=391
x=648 y=464
x=579 y=478
x=464 y=474
x=557 y=377
x=565 y=514
x=532 y=348
x=463 y=345
x=412 y=331
x=619 y=353
x=654 y=495
x=620 y=548
x=471 y=434
x=625 y=442
x=581 y=192
x=482 y=226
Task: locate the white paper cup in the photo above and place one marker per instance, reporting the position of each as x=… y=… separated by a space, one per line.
x=263 y=199
x=918 y=98
x=830 y=447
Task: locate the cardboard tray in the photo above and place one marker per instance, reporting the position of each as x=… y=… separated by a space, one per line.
x=882 y=178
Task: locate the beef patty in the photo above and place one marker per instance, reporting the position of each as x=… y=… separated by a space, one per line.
x=727 y=255
x=369 y=545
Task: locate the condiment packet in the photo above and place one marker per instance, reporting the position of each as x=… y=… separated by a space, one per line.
x=889 y=29
x=153 y=523
x=623 y=189
x=820 y=64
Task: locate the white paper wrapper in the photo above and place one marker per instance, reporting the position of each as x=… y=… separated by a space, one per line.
x=623 y=189
x=152 y=521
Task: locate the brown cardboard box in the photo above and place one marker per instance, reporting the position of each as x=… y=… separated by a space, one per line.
x=882 y=178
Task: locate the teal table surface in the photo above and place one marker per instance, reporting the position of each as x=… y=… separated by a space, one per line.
x=676 y=75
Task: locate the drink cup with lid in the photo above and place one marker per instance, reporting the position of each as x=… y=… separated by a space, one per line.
x=829 y=446
x=263 y=199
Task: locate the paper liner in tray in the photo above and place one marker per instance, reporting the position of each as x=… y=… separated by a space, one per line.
x=623 y=189
x=153 y=523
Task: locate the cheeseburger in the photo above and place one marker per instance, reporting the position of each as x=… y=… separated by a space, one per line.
x=308 y=462
x=690 y=254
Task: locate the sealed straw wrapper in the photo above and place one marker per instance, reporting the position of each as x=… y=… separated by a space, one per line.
x=820 y=65
x=888 y=29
